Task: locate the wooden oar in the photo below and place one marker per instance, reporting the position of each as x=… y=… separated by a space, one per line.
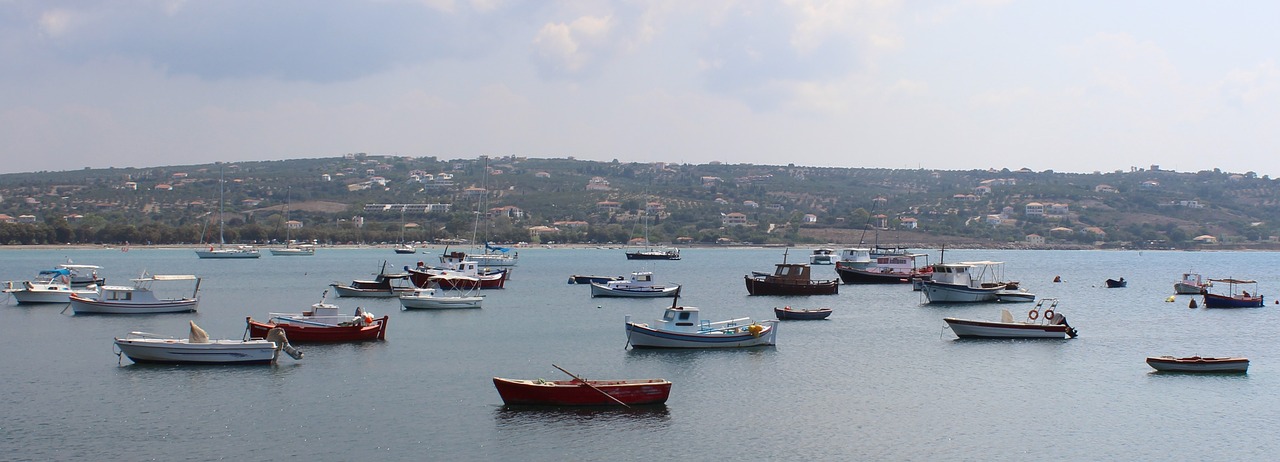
x=593 y=387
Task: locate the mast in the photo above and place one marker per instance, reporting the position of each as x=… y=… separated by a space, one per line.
x=221 y=189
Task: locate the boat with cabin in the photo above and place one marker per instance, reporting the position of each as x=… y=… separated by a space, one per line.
x=139 y=299
x=1191 y=284
x=682 y=327
x=432 y=298
x=789 y=279
x=458 y=273
x=322 y=324
x=823 y=256
x=49 y=286
x=889 y=268
x=383 y=285
x=640 y=285
x=965 y=282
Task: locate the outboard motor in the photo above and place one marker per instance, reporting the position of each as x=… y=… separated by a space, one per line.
x=276 y=334
x=1058 y=318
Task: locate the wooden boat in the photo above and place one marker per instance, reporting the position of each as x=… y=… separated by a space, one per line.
x=789 y=313
x=965 y=282
x=1191 y=284
x=640 y=285
x=582 y=392
x=1116 y=283
x=142 y=347
x=580 y=279
x=680 y=327
x=459 y=273
x=1050 y=325
x=383 y=285
x=789 y=279
x=1234 y=297
x=49 y=286
x=138 y=299
x=1198 y=364
x=432 y=299
x=322 y=323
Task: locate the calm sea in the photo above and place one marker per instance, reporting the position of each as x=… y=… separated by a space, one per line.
x=882 y=379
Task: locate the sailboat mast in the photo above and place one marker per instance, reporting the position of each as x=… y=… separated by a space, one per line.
x=221 y=190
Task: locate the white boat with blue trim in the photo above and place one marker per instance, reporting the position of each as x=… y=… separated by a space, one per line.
x=640 y=285
x=969 y=282
x=139 y=299
x=681 y=327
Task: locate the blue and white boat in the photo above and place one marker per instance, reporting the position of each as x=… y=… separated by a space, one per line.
x=640 y=285
x=138 y=299
x=680 y=327
x=965 y=282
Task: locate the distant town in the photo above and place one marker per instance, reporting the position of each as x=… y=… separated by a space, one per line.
x=376 y=199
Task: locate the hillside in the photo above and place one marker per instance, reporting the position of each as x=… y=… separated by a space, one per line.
x=360 y=198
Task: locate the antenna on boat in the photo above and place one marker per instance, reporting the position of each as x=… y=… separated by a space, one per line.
x=324 y=295
x=676 y=296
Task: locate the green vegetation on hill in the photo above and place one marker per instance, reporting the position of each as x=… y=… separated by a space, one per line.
x=575 y=201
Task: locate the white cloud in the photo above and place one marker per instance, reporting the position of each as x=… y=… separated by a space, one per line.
x=568 y=47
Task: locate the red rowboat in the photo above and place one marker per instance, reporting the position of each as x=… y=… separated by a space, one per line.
x=582 y=393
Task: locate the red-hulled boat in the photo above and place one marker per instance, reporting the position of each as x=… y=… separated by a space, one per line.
x=583 y=393
x=322 y=324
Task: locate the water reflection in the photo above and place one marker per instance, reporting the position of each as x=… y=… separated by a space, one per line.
x=567 y=417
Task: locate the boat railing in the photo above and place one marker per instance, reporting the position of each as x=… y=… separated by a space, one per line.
x=708 y=326
x=137 y=334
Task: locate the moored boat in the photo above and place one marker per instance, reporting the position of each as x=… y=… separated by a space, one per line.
x=640 y=285
x=822 y=256
x=1191 y=284
x=139 y=299
x=681 y=327
x=1235 y=296
x=582 y=392
x=459 y=273
x=49 y=286
x=895 y=268
x=581 y=279
x=142 y=347
x=323 y=323
x=1198 y=364
x=789 y=313
x=1116 y=283
x=789 y=279
x=383 y=285
x=965 y=282
x=304 y=250
x=433 y=299
x=1050 y=325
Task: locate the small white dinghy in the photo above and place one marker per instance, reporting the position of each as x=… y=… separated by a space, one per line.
x=142 y=347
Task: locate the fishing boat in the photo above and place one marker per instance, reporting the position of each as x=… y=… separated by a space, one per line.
x=789 y=279
x=582 y=279
x=222 y=251
x=383 y=285
x=1191 y=284
x=641 y=285
x=965 y=282
x=1116 y=283
x=139 y=299
x=1198 y=364
x=49 y=286
x=1235 y=295
x=142 y=347
x=789 y=313
x=458 y=273
x=681 y=327
x=1039 y=324
x=83 y=275
x=893 y=268
x=582 y=392
x=433 y=299
x=323 y=323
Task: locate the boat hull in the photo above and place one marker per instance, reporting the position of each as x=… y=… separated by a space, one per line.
x=938 y=292
x=353 y=292
x=42 y=293
x=298 y=333
x=965 y=328
x=1115 y=284
x=293 y=252
x=760 y=286
x=180 y=351
x=439 y=303
x=1187 y=289
x=580 y=279
x=454 y=281
x=81 y=305
x=601 y=290
x=642 y=336
x=1223 y=301
x=801 y=315
x=868 y=276
x=653 y=255
x=225 y=254
x=575 y=393
x=494 y=260
x=1198 y=364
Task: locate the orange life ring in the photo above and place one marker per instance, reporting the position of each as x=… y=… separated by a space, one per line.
x=1048 y=314
x=1033 y=315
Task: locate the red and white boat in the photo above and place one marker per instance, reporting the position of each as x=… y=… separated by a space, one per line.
x=459 y=273
x=322 y=324
x=1198 y=364
x=1050 y=325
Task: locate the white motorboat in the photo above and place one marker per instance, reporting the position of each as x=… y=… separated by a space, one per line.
x=965 y=282
x=822 y=257
x=49 y=286
x=1039 y=324
x=304 y=250
x=680 y=327
x=139 y=299
x=434 y=299
x=142 y=347
x=640 y=285
x=1191 y=284
x=83 y=275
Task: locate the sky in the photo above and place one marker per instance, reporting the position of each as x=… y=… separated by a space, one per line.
x=1070 y=86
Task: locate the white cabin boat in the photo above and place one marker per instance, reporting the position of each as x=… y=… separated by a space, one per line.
x=680 y=327
x=1046 y=324
x=239 y=251
x=433 y=299
x=640 y=285
x=1191 y=284
x=822 y=257
x=138 y=299
x=49 y=286
x=965 y=282
x=304 y=250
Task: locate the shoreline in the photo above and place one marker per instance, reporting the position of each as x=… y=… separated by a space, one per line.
x=1267 y=247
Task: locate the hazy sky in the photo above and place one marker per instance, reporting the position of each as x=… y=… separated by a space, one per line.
x=1075 y=86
